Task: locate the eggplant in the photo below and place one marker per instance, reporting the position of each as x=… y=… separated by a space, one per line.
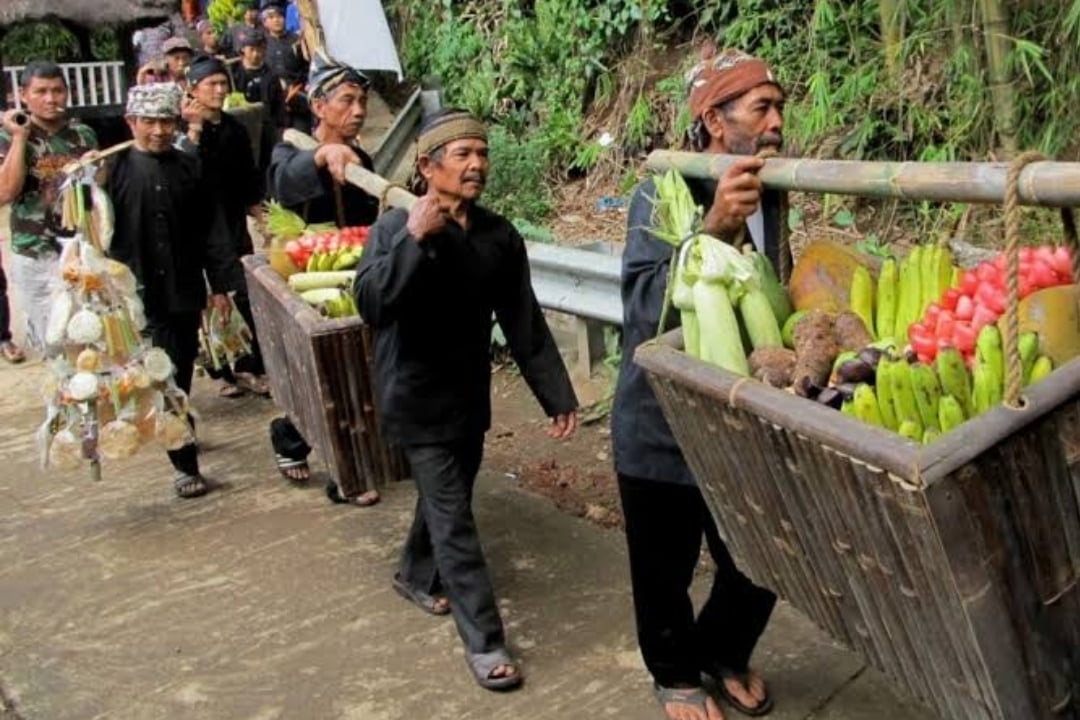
x=855 y=371
x=871 y=356
x=832 y=397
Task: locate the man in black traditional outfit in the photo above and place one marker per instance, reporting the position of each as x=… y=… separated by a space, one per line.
x=286 y=58
x=428 y=284
x=228 y=165
x=169 y=229
x=253 y=77
x=312 y=184
x=737 y=108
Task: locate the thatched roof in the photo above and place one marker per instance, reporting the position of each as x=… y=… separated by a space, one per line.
x=86 y=12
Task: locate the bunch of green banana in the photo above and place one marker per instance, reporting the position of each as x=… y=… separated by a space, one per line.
x=331 y=302
x=988 y=377
x=906 y=289
x=861 y=298
x=344 y=258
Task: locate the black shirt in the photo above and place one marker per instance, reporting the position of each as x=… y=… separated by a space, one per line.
x=229 y=168
x=641 y=438
x=169 y=229
x=431 y=306
x=297 y=184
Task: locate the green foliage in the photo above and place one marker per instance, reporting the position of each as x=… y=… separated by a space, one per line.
x=104 y=43
x=43 y=40
x=516 y=187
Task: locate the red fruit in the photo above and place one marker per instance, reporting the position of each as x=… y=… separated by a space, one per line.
x=925 y=359
x=1027 y=254
x=987 y=274
x=965 y=308
x=969 y=283
x=307 y=242
x=1000 y=262
x=922 y=342
x=982 y=317
x=1043 y=275
x=946 y=326
x=1045 y=253
x=1061 y=260
x=930 y=317
x=950 y=298
x=991 y=297
x=1026 y=287
x=964 y=337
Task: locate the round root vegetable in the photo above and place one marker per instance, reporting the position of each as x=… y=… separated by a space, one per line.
x=773 y=366
x=815 y=350
x=851 y=332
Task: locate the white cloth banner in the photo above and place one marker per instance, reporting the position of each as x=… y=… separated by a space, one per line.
x=358 y=35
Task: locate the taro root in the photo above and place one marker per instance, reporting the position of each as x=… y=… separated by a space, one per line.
x=773 y=366
x=815 y=351
x=851 y=332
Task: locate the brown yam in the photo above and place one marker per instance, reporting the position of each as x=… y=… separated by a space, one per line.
x=773 y=366
x=815 y=351
x=851 y=332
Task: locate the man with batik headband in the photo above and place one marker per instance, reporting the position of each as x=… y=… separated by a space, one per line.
x=312 y=184
x=170 y=230
x=428 y=283
x=737 y=108
x=35 y=144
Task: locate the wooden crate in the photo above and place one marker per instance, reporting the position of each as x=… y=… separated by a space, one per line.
x=321 y=375
x=951 y=567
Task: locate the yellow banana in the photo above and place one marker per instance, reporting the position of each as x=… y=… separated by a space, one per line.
x=866 y=406
x=1043 y=366
x=862 y=297
x=1029 y=351
x=927 y=389
x=884 y=390
x=887 y=291
x=954 y=376
x=950 y=413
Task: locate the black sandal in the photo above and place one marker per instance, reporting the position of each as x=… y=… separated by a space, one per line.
x=190 y=486
x=762 y=708
x=285 y=464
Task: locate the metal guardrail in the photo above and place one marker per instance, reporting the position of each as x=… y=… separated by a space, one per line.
x=580 y=282
x=90 y=84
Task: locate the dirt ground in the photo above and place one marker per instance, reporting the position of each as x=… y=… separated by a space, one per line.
x=577 y=475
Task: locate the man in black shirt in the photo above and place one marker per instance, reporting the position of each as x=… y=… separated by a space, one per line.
x=224 y=147
x=311 y=184
x=169 y=229
x=428 y=284
x=230 y=42
x=286 y=59
x=253 y=77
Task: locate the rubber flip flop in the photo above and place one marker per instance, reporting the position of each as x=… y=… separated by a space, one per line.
x=693 y=696
x=427 y=603
x=762 y=708
x=483 y=664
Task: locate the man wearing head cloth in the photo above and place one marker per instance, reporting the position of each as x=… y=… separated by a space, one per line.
x=736 y=107
x=223 y=145
x=170 y=230
x=312 y=184
x=253 y=77
x=428 y=283
x=230 y=42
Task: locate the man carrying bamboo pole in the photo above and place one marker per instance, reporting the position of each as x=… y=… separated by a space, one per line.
x=428 y=285
x=312 y=184
x=737 y=109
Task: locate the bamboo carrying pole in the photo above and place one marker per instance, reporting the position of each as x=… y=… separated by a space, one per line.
x=1054 y=184
x=389 y=193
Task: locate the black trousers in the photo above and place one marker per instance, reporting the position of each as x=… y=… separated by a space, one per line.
x=178 y=335
x=442 y=552
x=5 y=309
x=664 y=526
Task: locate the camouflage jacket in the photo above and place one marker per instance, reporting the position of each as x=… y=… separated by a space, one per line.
x=35 y=220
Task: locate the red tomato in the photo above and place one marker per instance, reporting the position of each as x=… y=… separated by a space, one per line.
x=965 y=308
x=964 y=336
